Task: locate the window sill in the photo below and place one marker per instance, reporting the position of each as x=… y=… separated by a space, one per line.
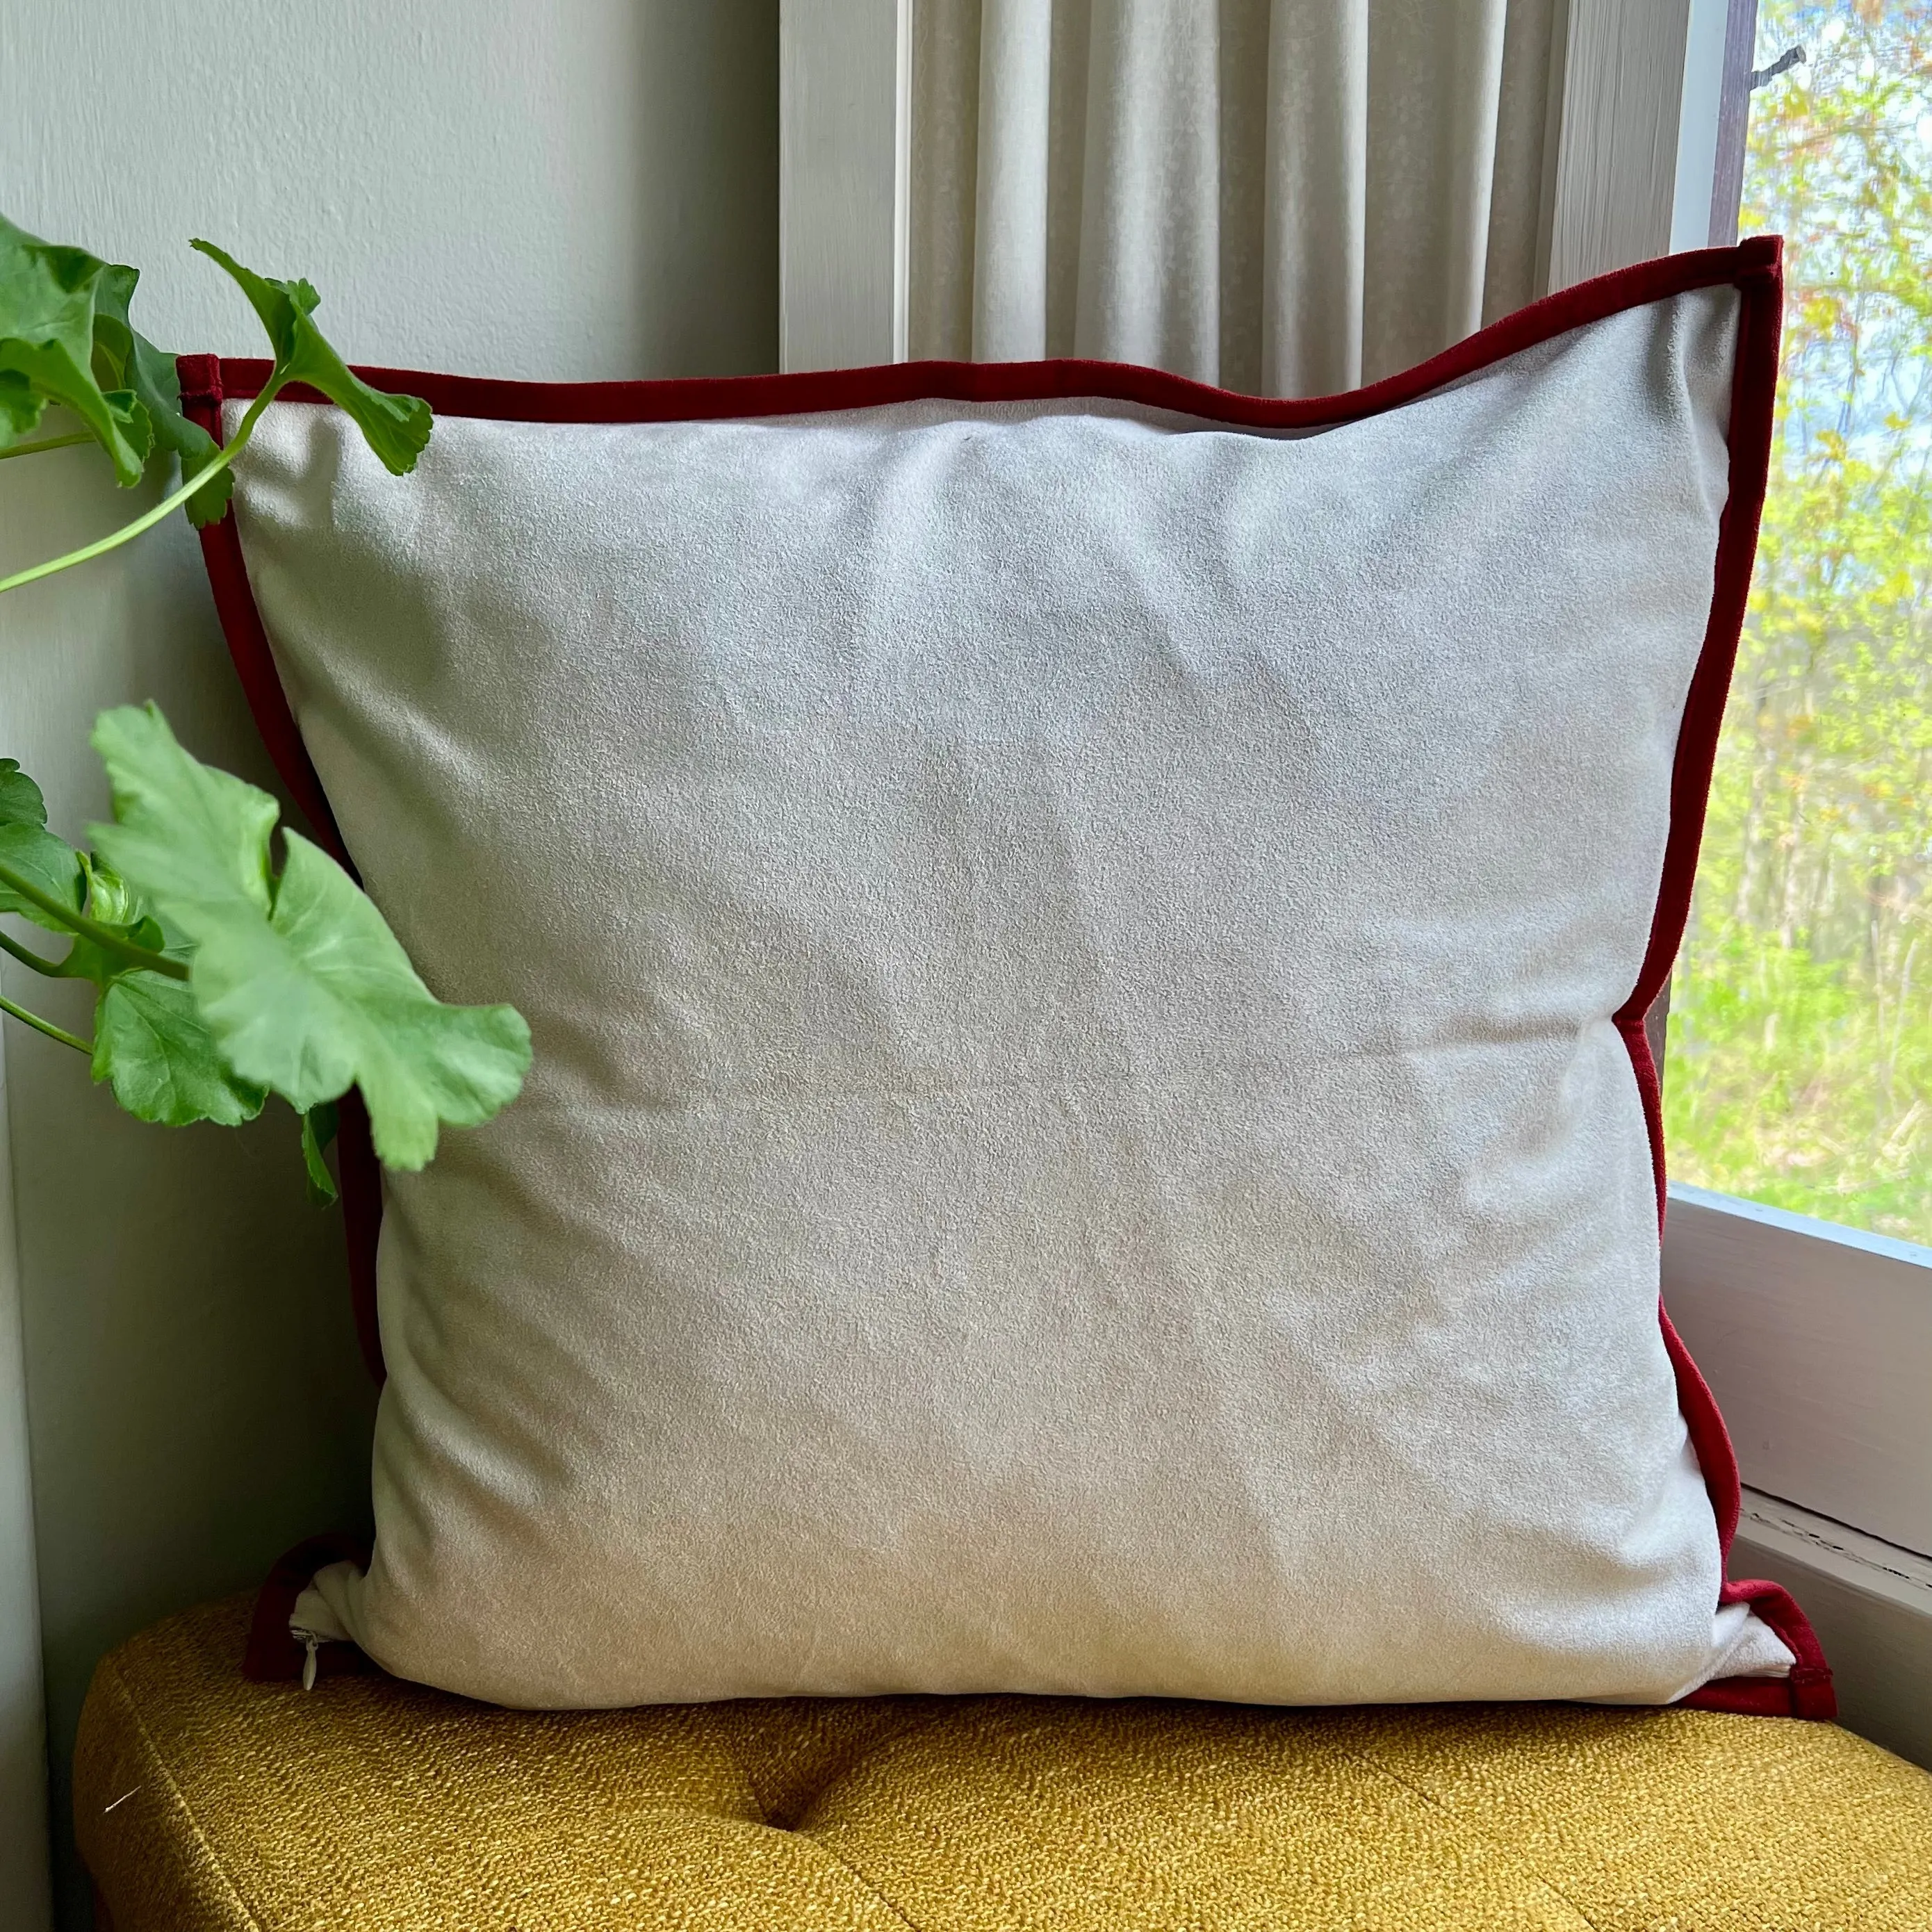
x=1816 y=1341
x=1871 y=1602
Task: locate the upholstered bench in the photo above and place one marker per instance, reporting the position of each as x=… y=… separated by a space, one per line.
x=208 y=1804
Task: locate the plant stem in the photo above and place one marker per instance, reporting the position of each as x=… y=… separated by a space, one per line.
x=27 y=957
x=104 y=936
x=146 y=521
x=46 y=442
x=46 y=1027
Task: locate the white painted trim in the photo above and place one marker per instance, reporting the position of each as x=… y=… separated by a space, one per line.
x=1870 y=1603
x=1622 y=83
x=1868 y=1563
x=844 y=182
x=26 y=1884
x=902 y=185
x=1698 y=115
x=1816 y=1341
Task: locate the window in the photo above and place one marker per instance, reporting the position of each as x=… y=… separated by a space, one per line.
x=1799 y=1067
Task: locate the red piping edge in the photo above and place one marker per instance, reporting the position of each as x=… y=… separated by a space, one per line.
x=1754 y=267
x=692 y=398
x=361 y=1176
x=1807 y=1692
x=202 y=396
x=248 y=639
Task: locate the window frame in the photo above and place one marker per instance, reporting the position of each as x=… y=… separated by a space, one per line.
x=1816 y=1340
x=845 y=182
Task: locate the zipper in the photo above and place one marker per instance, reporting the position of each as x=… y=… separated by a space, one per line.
x=313 y=1623
x=310 y=1643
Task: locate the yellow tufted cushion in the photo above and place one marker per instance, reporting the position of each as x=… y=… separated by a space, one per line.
x=206 y=1803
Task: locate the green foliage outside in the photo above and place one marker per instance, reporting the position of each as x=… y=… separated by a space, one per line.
x=1799 y=1065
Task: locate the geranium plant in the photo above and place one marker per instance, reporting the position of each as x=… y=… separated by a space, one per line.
x=219 y=978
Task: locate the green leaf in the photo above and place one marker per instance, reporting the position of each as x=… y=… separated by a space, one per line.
x=33 y=852
x=20 y=799
x=109 y=901
x=133 y=363
x=151 y=1041
x=22 y=407
x=318 y=1129
x=304 y=988
x=397 y=426
x=65 y=337
x=193 y=840
x=367 y=1019
x=48 y=299
x=28 y=848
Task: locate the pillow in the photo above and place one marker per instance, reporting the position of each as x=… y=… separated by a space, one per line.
x=1087 y=940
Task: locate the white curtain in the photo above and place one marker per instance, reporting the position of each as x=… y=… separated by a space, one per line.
x=1286 y=196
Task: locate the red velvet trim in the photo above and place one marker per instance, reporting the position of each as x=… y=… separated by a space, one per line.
x=201 y=398
x=1754 y=267
x=1807 y=1692
x=1753 y=399
x=710 y=397
x=273 y=1655
x=361 y=1176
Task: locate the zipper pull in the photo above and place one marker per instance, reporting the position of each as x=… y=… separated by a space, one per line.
x=311 y=1644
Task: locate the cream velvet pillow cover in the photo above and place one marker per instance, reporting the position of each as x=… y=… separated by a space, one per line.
x=1086 y=941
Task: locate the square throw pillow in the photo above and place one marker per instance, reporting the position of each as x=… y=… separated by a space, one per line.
x=1087 y=940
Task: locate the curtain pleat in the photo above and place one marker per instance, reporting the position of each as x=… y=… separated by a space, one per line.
x=1316 y=184
x=1150 y=229
x=1290 y=196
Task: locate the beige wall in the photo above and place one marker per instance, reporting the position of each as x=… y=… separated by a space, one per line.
x=562 y=188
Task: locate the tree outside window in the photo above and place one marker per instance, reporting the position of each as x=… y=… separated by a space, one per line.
x=1799 y=1066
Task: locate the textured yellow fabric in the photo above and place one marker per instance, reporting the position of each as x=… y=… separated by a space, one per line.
x=206 y=1804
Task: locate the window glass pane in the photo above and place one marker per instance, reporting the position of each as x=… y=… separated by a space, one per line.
x=1799 y=1067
